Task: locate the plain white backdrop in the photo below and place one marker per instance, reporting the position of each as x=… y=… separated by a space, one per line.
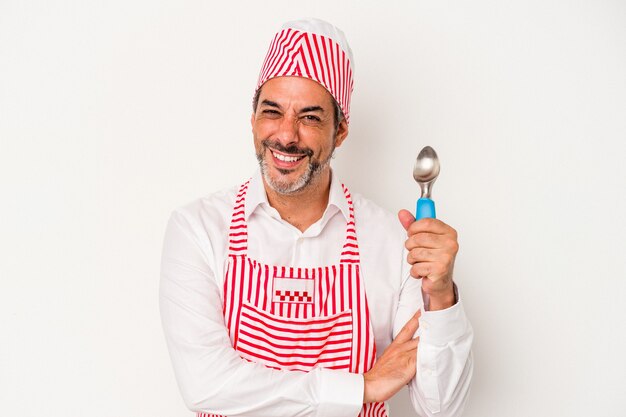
x=114 y=113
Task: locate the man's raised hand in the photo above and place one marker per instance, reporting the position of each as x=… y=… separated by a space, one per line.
x=432 y=247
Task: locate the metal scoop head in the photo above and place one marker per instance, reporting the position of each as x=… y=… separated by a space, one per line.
x=426 y=170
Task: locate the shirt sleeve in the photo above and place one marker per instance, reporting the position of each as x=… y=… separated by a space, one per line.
x=444 y=359
x=211 y=376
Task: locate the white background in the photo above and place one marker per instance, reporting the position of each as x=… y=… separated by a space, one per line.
x=113 y=113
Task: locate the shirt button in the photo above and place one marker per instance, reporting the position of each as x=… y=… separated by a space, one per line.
x=427 y=372
x=424 y=325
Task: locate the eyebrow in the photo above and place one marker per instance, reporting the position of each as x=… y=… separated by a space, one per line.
x=270 y=103
x=311 y=109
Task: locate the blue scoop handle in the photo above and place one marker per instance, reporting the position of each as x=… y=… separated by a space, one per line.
x=425 y=208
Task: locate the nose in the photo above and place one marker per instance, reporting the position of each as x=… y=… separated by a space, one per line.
x=287 y=132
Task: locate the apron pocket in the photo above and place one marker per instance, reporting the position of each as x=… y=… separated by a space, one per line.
x=294 y=344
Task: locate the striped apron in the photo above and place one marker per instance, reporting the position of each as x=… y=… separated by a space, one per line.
x=298 y=318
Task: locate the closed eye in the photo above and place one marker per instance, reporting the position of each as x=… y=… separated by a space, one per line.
x=271 y=113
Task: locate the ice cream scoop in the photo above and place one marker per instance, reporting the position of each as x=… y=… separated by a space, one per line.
x=425 y=172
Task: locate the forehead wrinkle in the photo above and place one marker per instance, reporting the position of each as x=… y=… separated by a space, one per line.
x=296 y=94
x=297 y=103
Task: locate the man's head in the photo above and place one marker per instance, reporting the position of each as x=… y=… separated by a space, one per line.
x=301 y=105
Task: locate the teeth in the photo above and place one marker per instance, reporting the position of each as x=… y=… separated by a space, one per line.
x=286 y=158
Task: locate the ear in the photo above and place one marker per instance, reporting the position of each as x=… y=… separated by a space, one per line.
x=342 y=133
x=252 y=119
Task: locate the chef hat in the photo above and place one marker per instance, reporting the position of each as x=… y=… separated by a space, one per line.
x=314 y=49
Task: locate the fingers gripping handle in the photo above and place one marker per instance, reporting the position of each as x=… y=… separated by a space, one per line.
x=425 y=208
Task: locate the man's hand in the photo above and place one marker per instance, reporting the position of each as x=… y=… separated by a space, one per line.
x=432 y=247
x=395 y=368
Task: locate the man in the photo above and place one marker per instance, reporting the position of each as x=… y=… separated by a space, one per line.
x=277 y=295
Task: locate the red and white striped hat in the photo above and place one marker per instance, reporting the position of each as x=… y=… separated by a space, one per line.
x=315 y=49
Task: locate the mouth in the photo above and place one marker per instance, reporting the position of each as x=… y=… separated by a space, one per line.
x=286 y=161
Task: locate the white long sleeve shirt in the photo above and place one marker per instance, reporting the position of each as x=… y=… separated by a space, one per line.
x=211 y=375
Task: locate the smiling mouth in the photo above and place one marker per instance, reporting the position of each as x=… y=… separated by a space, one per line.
x=287 y=158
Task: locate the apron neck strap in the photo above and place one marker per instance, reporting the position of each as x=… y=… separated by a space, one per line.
x=350 y=251
x=238 y=233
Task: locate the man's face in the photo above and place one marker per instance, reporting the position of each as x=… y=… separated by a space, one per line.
x=294 y=133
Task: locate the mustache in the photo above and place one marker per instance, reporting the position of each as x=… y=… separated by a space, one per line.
x=292 y=149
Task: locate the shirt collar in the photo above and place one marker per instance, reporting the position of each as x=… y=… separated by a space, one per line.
x=256 y=196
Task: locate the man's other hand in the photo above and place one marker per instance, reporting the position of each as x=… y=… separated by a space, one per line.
x=395 y=368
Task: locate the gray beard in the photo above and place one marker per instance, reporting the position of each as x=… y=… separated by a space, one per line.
x=314 y=168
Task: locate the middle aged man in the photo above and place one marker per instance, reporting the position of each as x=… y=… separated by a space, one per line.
x=277 y=295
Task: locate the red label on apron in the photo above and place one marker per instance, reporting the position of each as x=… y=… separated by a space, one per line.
x=293 y=290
